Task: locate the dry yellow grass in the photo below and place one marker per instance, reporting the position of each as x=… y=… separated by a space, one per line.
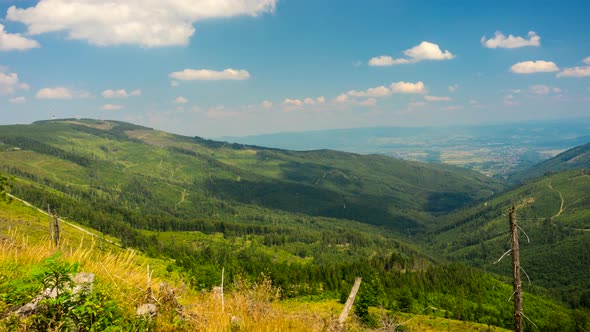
x=124 y=273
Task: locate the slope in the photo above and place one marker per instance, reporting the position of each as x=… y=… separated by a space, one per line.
x=554 y=211
x=433 y=297
x=575 y=158
x=201 y=178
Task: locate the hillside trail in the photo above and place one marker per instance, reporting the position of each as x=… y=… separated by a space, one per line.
x=562 y=201
x=63 y=221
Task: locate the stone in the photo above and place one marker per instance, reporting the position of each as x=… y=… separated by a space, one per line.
x=147 y=309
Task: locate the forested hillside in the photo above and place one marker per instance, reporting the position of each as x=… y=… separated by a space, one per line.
x=575 y=158
x=554 y=213
x=309 y=221
x=188 y=176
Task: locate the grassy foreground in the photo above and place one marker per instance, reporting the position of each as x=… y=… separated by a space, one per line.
x=122 y=282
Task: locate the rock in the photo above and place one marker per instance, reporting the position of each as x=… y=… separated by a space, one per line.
x=84 y=282
x=147 y=309
x=83 y=285
x=235 y=321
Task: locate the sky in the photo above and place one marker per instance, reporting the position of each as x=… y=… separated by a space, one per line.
x=215 y=68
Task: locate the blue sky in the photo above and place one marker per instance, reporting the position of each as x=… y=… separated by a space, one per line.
x=231 y=67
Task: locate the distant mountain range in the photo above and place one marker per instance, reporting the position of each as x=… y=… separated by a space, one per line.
x=492 y=149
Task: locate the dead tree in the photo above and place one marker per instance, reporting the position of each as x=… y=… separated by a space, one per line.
x=349 y=302
x=56 y=231
x=517 y=285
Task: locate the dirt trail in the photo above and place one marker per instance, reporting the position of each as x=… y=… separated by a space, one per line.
x=65 y=222
x=562 y=201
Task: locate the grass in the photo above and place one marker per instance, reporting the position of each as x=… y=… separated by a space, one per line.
x=122 y=273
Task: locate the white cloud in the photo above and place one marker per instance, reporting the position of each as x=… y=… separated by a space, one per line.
x=266 y=104
x=386 y=60
x=437 y=98
x=424 y=51
x=368 y=102
x=121 y=93
x=292 y=102
x=557 y=90
x=311 y=101
x=55 y=93
x=586 y=60
x=540 y=89
x=583 y=71
x=501 y=41
x=529 y=67
x=15 y=42
x=453 y=88
x=18 y=100
x=408 y=87
x=180 y=100
x=111 y=107
x=428 y=51
x=10 y=83
x=380 y=91
x=343 y=98
x=210 y=75
x=147 y=23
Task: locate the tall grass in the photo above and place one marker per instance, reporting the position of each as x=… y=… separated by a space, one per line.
x=126 y=275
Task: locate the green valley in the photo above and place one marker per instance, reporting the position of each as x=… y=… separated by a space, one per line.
x=422 y=236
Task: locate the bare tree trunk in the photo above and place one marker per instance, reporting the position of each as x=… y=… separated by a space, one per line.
x=55 y=229
x=517 y=286
x=349 y=302
x=50 y=223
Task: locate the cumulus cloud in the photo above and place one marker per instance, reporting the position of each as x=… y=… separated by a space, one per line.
x=311 y=101
x=266 y=104
x=10 y=83
x=111 y=107
x=15 y=42
x=379 y=91
x=386 y=60
x=529 y=67
x=121 y=93
x=180 y=100
x=501 y=41
x=408 y=87
x=368 y=102
x=437 y=98
x=583 y=71
x=292 y=102
x=147 y=23
x=541 y=89
x=424 y=51
x=18 y=100
x=210 y=75
x=55 y=93
x=586 y=60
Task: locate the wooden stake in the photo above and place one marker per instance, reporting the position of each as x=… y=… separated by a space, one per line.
x=517 y=285
x=349 y=302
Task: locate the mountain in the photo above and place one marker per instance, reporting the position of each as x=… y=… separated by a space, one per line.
x=499 y=149
x=309 y=221
x=554 y=214
x=575 y=158
x=190 y=176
